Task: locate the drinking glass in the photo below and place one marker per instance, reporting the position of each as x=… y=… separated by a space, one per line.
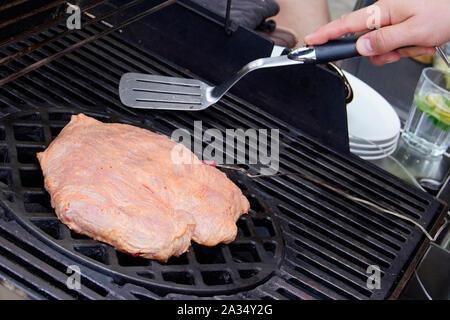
x=428 y=125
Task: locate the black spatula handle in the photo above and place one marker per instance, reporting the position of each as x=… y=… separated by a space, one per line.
x=331 y=51
x=336 y=50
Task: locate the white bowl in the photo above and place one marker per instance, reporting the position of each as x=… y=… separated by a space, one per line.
x=366 y=141
x=371 y=152
x=377 y=157
x=374 y=145
x=370 y=116
x=374 y=155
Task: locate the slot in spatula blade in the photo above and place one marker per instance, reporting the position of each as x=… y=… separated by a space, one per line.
x=147 y=91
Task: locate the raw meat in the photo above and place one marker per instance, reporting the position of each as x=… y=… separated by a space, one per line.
x=118 y=184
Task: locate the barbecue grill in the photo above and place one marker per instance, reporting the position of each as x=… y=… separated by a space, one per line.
x=300 y=240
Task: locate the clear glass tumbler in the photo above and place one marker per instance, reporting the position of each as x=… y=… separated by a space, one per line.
x=428 y=125
x=438 y=62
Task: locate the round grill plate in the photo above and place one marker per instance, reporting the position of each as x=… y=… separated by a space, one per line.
x=250 y=260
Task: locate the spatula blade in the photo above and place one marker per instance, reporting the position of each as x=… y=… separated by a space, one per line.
x=147 y=91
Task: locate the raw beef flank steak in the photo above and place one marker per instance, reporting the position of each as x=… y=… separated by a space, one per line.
x=117 y=183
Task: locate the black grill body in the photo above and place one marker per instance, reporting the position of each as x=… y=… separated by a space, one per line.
x=300 y=240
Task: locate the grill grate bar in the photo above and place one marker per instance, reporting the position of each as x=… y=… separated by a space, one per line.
x=11 y=97
x=346 y=210
x=33 y=254
x=93 y=56
x=358 y=249
x=369 y=177
x=403 y=206
x=308 y=204
x=345 y=207
x=11 y=4
x=20 y=273
x=303 y=243
x=73 y=74
x=42 y=267
x=56 y=76
x=32 y=13
x=341 y=246
x=45 y=25
x=355 y=285
x=302 y=282
x=35 y=93
x=76 y=74
x=317 y=279
x=42 y=91
x=346 y=204
x=84 y=42
x=38 y=45
x=86 y=58
x=47 y=82
x=187 y=120
x=311 y=270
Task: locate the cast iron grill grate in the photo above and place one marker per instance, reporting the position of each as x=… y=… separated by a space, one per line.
x=300 y=241
x=250 y=260
x=43 y=272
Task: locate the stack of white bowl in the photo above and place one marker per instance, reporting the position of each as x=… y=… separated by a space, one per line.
x=373 y=125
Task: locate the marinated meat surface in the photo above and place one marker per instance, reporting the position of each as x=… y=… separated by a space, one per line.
x=119 y=184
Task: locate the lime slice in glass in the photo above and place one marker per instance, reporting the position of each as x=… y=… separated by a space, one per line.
x=440 y=107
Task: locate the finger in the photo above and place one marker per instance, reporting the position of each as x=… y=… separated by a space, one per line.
x=386 y=39
x=385 y=58
x=416 y=51
x=377 y=15
x=406 y=52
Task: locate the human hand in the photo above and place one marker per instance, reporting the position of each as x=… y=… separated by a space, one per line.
x=419 y=25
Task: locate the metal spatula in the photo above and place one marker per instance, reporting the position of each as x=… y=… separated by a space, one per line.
x=146 y=91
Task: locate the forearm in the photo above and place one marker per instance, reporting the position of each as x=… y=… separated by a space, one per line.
x=302 y=17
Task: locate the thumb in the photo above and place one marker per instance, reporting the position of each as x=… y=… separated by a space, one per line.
x=384 y=40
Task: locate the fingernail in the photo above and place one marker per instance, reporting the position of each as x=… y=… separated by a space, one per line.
x=308 y=37
x=364 y=47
